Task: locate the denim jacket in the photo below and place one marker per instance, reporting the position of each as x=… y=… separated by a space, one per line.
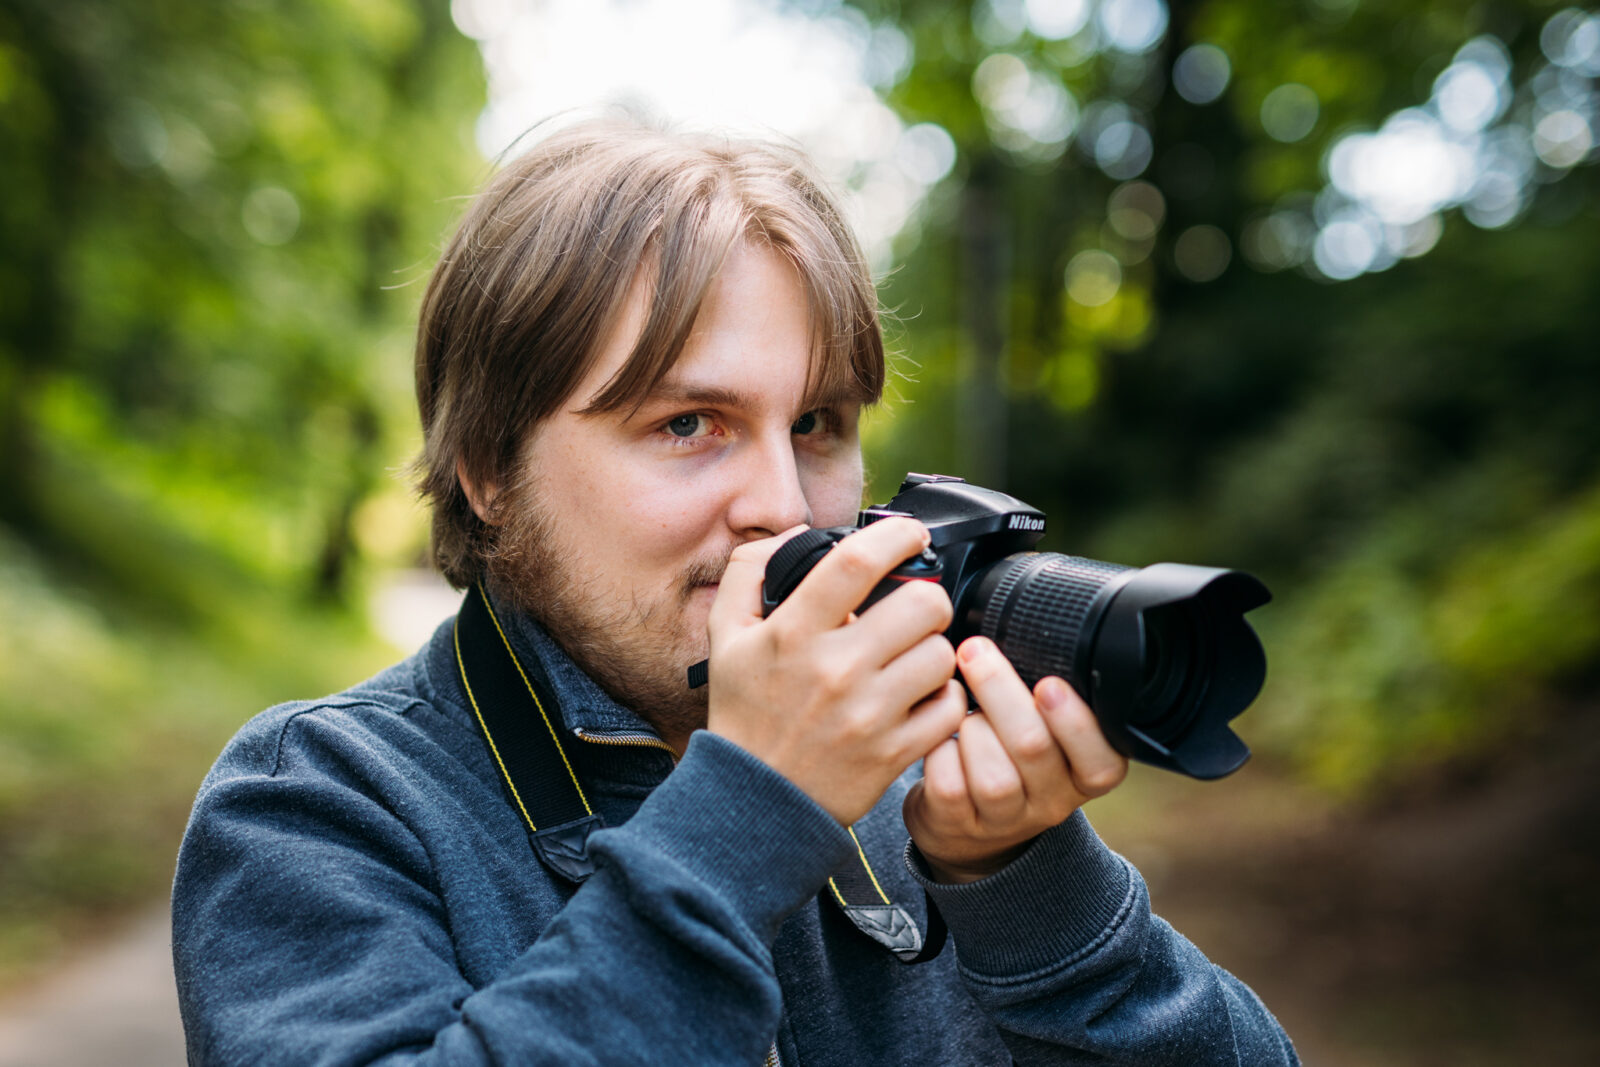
x=355 y=887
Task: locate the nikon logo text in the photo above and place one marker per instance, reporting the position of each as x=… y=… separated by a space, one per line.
x=1025 y=522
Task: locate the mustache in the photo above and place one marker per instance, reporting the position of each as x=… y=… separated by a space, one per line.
x=706 y=571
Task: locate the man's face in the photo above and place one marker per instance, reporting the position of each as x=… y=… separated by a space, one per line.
x=625 y=522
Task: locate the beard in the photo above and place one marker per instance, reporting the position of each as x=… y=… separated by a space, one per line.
x=636 y=647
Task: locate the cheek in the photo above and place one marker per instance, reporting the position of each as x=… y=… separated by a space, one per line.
x=663 y=523
x=833 y=489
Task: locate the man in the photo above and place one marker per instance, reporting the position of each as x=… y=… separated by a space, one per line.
x=640 y=364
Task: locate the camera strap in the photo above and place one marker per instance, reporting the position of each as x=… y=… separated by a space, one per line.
x=516 y=709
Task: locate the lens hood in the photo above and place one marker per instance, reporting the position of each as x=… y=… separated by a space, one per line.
x=1172 y=661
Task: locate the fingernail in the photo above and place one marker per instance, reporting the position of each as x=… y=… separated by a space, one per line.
x=1053 y=694
x=972 y=648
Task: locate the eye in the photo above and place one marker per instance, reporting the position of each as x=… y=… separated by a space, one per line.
x=689 y=426
x=810 y=422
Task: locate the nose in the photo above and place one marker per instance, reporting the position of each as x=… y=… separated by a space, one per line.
x=770 y=498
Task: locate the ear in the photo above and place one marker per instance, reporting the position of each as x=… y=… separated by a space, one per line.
x=480 y=497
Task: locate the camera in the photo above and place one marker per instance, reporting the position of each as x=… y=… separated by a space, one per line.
x=1161 y=654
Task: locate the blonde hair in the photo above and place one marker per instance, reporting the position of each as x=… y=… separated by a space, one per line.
x=536 y=276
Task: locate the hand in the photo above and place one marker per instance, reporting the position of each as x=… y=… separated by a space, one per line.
x=1021 y=765
x=839 y=705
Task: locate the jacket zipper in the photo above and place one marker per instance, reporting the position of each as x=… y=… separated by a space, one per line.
x=626 y=740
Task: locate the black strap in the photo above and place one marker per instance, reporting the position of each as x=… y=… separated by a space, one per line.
x=864 y=903
x=518 y=714
x=517 y=711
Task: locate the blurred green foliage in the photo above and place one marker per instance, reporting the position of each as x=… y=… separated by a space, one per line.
x=1411 y=459
x=215 y=219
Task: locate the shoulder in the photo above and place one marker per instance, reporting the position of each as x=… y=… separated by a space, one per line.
x=385 y=726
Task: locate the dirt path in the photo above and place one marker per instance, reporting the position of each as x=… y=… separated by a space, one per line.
x=1455 y=926
x=114 y=1004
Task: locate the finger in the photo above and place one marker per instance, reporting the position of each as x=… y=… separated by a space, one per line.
x=1012 y=712
x=919 y=672
x=842 y=579
x=944 y=783
x=899 y=621
x=1096 y=767
x=993 y=781
x=738 y=601
x=931 y=723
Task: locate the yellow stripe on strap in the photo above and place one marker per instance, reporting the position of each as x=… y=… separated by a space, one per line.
x=493 y=748
x=548 y=725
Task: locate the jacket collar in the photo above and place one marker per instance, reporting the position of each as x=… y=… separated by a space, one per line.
x=584 y=705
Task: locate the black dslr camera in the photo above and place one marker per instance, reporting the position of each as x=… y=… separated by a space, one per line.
x=1161 y=654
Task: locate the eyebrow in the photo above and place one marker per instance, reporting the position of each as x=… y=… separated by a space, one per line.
x=671 y=392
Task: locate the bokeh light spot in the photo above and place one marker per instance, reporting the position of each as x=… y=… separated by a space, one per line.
x=1055 y=20
x=271 y=215
x=1467 y=97
x=1029 y=113
x=1571 y=38
x=1278 y=241
x=1123 y=149
x=1133 y=26
x=1202 y=253
x=1563 y=139
x=926 y=153
x=1135 y=210
x=1093 y=277
x=1201 y=73
x=1406 y=170
x=1344 y=249
x=1290 y=112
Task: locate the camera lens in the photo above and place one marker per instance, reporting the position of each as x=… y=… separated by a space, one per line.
x=1161 y=654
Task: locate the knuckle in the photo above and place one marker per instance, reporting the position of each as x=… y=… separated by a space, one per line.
x=833 y=681
x=898 y=528
x=783 y=639
x=991 y=787
x=933 y=601
x=857 y=727
x=1033 y=744
x=1100 y=780
x=854 y=560
x=1059 y=808
x=945 y=791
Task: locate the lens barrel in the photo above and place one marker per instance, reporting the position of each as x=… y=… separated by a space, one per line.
x=1162 y=654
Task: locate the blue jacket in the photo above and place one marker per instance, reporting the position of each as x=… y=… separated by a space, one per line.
x=355 y=887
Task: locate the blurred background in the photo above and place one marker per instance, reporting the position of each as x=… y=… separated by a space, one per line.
x=1305 y=287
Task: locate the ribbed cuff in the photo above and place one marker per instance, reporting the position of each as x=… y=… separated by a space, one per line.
x=1055 y=902
x=744 y=830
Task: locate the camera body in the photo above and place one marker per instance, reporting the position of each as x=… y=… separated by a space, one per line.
x=1161 y=654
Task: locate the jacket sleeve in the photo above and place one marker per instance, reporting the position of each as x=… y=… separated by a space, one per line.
x=1060 y=949
x=308 y=926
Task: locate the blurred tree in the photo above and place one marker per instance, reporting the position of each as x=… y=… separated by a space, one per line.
x=1301 y=287
x=213 y=214
x=205 y=207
